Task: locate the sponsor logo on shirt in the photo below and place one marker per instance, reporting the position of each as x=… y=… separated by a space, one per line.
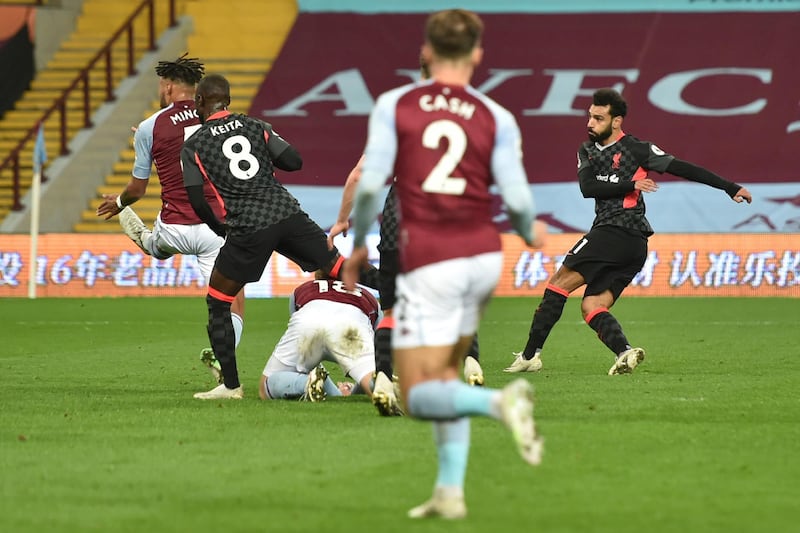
x=613 y=178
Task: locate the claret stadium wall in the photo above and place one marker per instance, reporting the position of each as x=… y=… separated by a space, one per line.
x=711 y=82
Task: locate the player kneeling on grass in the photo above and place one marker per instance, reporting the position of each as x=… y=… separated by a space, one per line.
x=327 y=323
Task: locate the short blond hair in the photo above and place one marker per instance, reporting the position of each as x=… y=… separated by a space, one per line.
x=453 y=33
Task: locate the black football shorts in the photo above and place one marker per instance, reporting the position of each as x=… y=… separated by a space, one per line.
x=244 y=257
x=608 y=258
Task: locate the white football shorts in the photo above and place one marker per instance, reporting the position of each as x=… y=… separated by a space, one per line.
x=441 y=302
x=323 y=330
x=188 y=239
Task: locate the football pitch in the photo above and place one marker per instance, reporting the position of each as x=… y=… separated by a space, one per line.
x=100 y=432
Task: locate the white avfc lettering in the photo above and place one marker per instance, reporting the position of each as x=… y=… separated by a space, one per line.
x=613 y=178
x=442 y=103
x=183 y=116
x=227 y=126
x=349 y=88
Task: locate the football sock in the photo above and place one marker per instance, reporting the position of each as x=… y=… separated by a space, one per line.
x=220 y=333
x=383 y=346
x=238 y=326
x=446 y=400
x=545 y=317
x=452 y=446
x=331 y=389
x=608 y=330
x=474 y=350
x=286 y=385
x=470 y=401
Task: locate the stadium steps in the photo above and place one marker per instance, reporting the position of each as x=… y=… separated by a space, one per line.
x=95 y=25
x=244 y=58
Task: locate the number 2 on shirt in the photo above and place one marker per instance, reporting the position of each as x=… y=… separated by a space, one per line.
x=439 y=181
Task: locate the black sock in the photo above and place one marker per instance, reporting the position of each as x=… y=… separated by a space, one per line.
x=220 y=333
x=383 y=347
x=474 y=350
x=545 y=317
x=609 y=331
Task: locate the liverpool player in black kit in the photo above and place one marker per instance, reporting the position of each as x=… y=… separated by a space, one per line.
x=612 y=169
x=238 y=154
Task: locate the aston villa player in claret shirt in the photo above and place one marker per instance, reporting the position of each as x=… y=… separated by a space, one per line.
x=447 y=144
x=177 y=229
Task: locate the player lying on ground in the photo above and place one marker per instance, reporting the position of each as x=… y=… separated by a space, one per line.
x=328 y=323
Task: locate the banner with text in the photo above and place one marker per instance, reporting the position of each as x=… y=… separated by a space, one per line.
x=71 y=265
x=734 y=111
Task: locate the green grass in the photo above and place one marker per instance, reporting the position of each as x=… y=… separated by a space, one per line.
x=99 y=431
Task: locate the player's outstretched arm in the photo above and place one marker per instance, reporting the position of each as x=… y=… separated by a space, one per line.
x=698 y=174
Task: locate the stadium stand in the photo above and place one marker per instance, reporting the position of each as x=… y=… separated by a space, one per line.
x=98 y=21
x=244 y=56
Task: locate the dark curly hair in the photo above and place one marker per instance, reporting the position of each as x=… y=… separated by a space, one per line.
x=610 y=97
x=186 y=70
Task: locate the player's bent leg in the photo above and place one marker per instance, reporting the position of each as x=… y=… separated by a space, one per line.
x=285 y=385
x=544 y=319
x=134 y=227
x=220 y=332
x=263 y=392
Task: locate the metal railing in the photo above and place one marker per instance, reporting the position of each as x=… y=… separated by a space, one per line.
x=82 y=82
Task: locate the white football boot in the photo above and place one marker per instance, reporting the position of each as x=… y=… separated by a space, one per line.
x=221 y=392
x=473 y=373
x=520 y=364
x=517 y=408
x=134 y=228
x=208 y=359
x=442 y=505
x=315 y=385
x=384 y=396
x=627 y=361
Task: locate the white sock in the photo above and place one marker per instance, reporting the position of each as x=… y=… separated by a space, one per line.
x=238 y=326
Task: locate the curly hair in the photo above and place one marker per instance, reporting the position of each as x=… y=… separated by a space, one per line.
x=186 y=70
